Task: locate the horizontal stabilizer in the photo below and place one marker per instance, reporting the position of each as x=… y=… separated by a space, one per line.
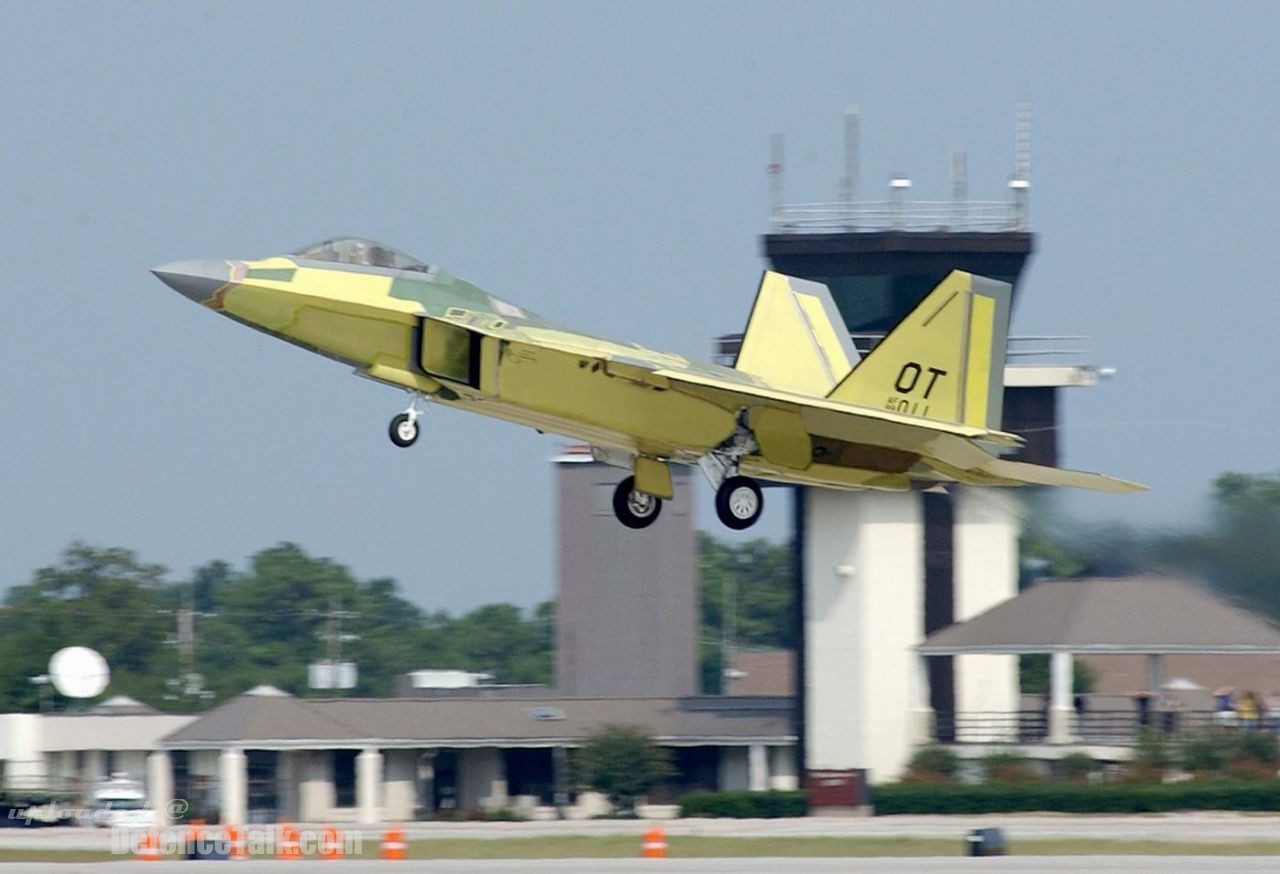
x=795 y=338
x=944 y=361
x=1040 y=475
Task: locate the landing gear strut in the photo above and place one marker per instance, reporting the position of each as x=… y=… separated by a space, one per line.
x=635 y=509
x=403 y=429
x=739 y=502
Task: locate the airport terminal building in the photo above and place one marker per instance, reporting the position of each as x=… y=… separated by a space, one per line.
x=267 y=755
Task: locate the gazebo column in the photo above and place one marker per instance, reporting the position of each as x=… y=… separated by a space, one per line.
x=1155 y=674
x=1060 y=709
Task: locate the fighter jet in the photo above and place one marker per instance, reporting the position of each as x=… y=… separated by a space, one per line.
x=921 y=410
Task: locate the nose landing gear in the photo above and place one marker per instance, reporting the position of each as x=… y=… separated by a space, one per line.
x=403 y=429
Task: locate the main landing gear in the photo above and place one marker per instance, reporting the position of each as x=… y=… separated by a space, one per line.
x=739 y=502
x=403 y=429
x=634 y=508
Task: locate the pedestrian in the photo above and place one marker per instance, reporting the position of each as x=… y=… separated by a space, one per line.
x=1247 y=710
x=1224 y=707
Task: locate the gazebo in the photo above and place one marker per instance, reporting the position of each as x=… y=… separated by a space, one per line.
x=1146 y=615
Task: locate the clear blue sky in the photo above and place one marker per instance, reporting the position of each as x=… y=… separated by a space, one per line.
x=603 y=164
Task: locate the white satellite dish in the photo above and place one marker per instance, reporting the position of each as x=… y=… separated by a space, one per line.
x=79 y=672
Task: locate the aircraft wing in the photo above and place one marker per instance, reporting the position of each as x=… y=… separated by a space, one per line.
x=809 y=439
x=1024 y=473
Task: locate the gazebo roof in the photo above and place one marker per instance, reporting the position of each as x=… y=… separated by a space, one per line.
x=1136 y=615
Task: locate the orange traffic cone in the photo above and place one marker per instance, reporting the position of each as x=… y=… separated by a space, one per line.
x=149 y=849
x=394 y=847
x=654 y=844
x=330 y=843
x=289 y=846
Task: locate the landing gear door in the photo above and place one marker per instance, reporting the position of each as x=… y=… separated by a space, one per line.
x=457 y=354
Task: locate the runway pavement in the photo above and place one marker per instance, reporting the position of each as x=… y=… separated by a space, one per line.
x=1010 y=864
x=1158 y=827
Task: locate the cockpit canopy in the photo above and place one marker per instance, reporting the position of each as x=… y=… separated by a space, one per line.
x=354 y=250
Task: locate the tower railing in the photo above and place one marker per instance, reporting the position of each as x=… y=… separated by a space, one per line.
x=956 y=216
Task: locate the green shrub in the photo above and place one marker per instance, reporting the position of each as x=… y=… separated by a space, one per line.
x=623 y=763
x=500 y=814
x=1204 y=753
x=1075 y=767
x=745 y=805
x=1152 y=756
x=1009 y=767
x=897 y=798
x=1254 y=747
x=933 y=765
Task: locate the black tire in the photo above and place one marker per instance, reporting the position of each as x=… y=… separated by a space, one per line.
x=627 y=505
x=739 y=502
x=393 y=431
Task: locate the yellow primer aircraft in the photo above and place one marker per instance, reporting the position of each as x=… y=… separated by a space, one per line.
x=922 y=409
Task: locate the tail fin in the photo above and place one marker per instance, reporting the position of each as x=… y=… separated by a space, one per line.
x=944 y=361
x=795 y=338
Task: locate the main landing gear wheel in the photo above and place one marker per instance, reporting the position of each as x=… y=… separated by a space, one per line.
x=739 y=502
x=404 y=430
x=633 y=508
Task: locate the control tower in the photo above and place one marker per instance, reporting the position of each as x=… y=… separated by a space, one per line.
x=879 y=571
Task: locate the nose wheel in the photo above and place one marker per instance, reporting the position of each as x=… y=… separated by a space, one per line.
x=635 y=509
x=403 y=429
x=739 y=502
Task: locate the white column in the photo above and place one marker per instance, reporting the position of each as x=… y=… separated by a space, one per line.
x=95 y=765
x=782 y=768
x=399 y=795
x=863 y=614
x=733 y=771
x=1155 y=674
x=482 y=779
x=287 y=785
x=1061 y=711
x=369 y=785
x=315 y=785
x=922 y=712
x=758 y=768
x=159 y=785
x=985 y=573
x=233 y=779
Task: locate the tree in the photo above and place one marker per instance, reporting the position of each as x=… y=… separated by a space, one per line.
x=759 y=578
x=622 y=762
x=105 y=599
x=1241 y=553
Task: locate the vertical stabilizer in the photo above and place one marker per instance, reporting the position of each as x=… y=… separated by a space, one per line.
x=795 y=338
x=944 y=361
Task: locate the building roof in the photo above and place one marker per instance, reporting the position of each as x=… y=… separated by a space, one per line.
x=1151 y=615
x=288 y=722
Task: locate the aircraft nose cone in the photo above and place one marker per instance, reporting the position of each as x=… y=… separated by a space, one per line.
x=196 y=280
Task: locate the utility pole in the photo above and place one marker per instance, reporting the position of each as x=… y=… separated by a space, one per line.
x=727 y=631
x=333 y=637
x=188 y=683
